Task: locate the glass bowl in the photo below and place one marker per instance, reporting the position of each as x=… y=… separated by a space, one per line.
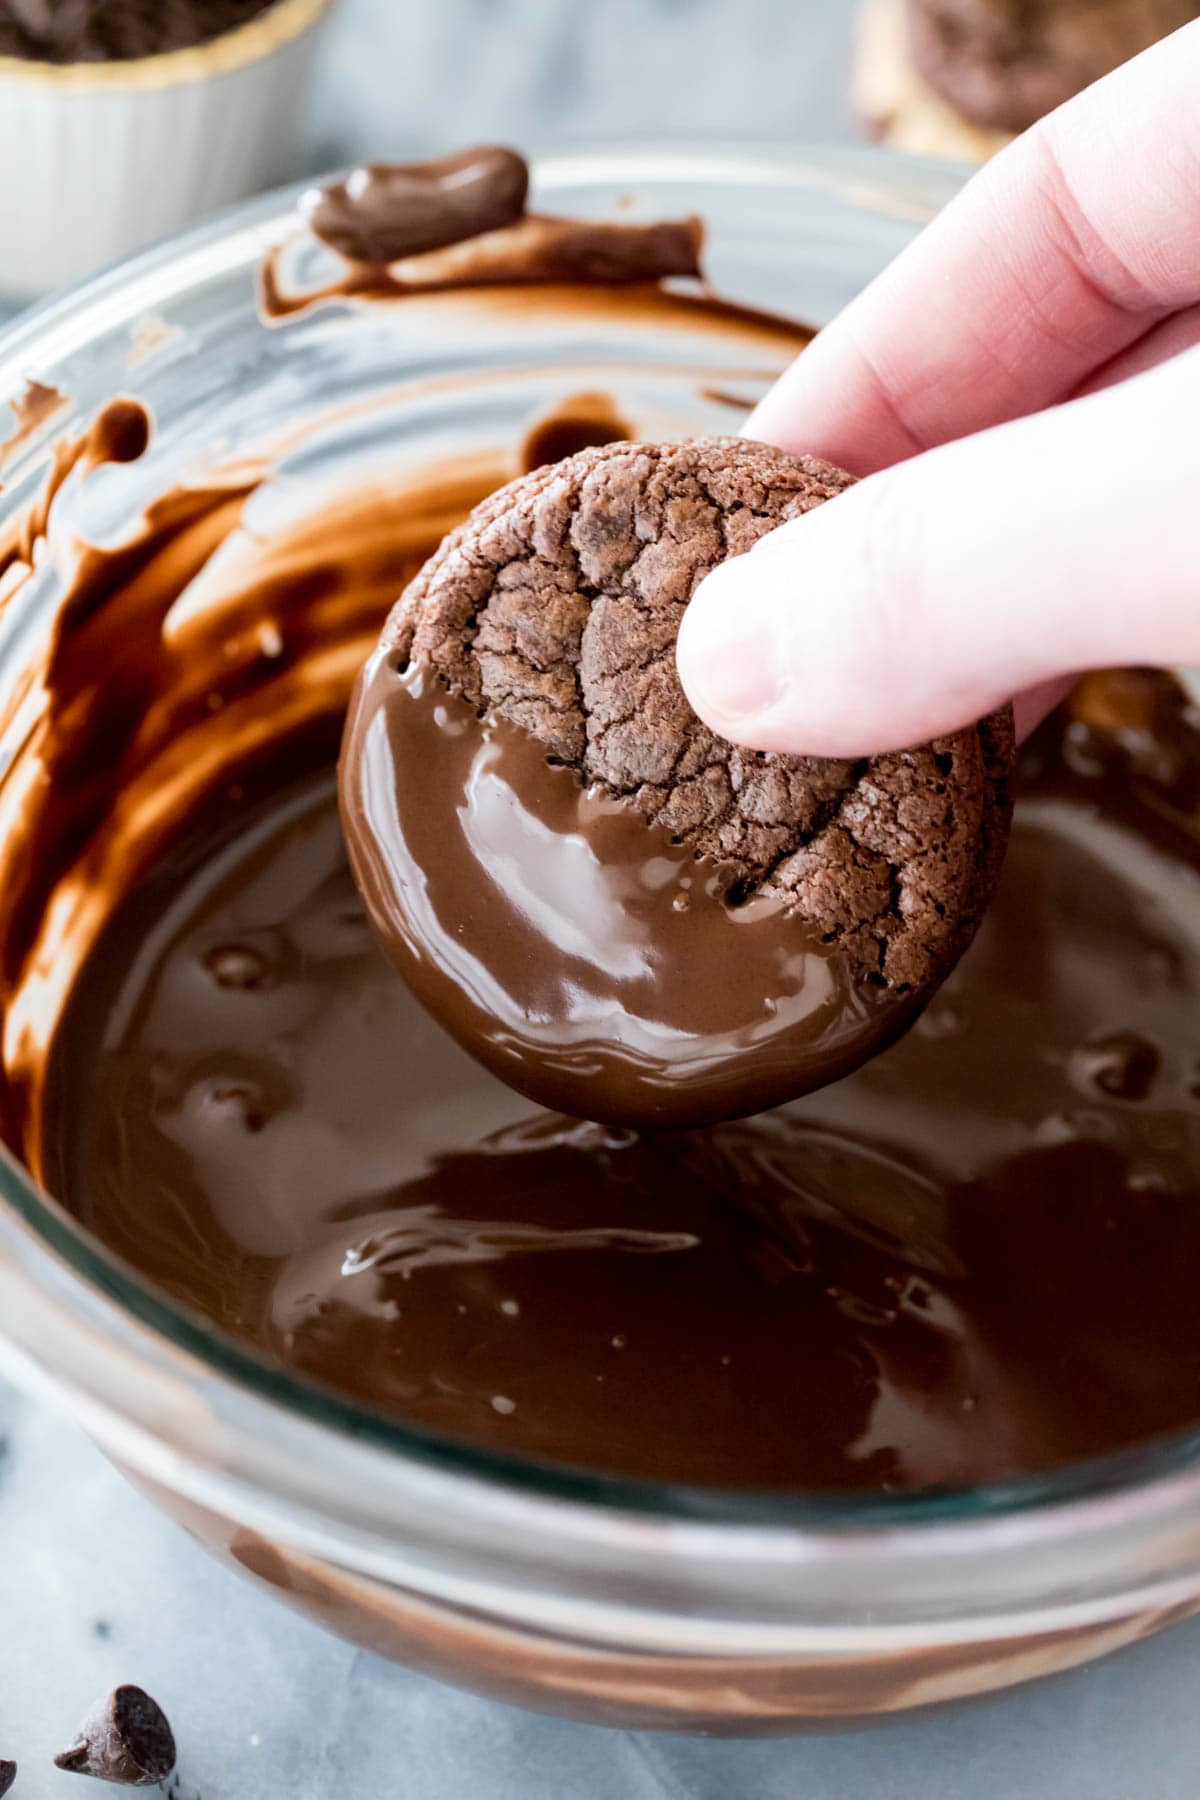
x=612 y=1600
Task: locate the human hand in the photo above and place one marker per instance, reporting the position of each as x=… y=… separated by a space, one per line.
x=1022 y=389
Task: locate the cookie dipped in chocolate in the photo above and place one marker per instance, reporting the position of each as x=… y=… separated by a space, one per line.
x=625 y=917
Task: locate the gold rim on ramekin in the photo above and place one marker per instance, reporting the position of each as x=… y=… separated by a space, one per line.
x=285 y=20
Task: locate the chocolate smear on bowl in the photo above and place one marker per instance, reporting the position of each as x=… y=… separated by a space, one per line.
x=461 y=222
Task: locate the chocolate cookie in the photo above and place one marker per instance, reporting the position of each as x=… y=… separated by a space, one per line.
x=895 y=103
x=626 y=917
x=557 y=605
x=1004 y=63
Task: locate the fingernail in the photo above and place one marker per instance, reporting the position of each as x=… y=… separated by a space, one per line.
x=727 y=651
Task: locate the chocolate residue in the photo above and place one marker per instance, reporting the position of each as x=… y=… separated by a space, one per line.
x=576 y=423
x=144 y=719
x=721 y=397
x=460 y=223
x=32 y=411
x=386 y=211
x=530 y=253
x=150 y=335
x=118 y=434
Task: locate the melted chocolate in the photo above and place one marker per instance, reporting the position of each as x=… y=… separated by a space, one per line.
x=972 y=1258
x=386 y=211
x=533 y=252
x=577 y=423
x=405 y=229
x=582 y=955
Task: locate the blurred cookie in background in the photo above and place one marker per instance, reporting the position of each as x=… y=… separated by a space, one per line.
x=895 y=102
x=958 y=78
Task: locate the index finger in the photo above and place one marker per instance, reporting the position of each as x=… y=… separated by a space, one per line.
x=1063 y=251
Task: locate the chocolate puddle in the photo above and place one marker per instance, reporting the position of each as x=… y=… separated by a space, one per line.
x=403 y=231
x=973 y=1258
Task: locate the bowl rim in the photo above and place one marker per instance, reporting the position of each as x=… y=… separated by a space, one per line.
x=90 y=1293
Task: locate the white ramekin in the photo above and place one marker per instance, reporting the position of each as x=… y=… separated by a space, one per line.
x=103 y=158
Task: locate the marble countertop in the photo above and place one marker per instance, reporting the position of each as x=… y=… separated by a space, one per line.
x=96 y=1587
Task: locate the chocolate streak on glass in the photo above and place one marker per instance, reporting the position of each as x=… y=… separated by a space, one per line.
x=32 y=410
x=140 y=719
x=460 y=222
x=531 y=253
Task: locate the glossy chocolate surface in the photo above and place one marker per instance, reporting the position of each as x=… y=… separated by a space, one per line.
x=972 y=1258
x=385 y=211
x=583 y=955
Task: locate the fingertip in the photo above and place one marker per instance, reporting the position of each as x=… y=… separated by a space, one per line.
x=726 y=651
x=767 y=655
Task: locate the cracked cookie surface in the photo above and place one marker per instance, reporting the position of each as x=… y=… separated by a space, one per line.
x=557 y=603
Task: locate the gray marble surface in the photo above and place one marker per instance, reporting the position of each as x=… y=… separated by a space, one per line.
x=96 y=1587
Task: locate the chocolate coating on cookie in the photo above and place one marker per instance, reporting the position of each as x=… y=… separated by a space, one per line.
x=625 y=915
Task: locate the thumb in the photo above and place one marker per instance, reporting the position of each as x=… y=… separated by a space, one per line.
x=926 y=595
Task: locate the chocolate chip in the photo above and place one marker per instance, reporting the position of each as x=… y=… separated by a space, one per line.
x=8 y=1774
x=125 y=1738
